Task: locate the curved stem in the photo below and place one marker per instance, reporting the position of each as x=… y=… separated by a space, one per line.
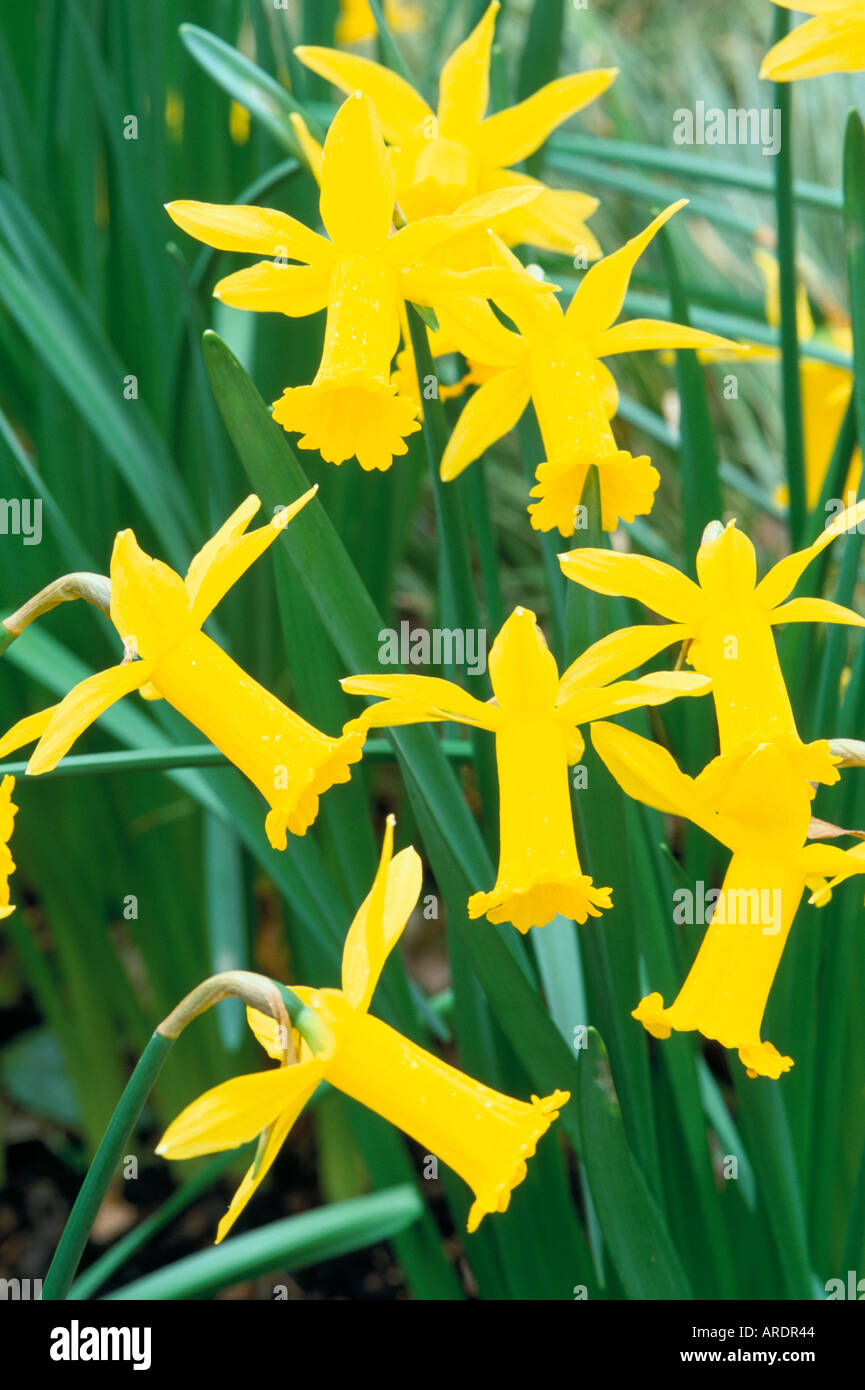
x=58 y=1281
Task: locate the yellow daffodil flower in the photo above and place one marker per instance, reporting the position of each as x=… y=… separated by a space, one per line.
x=727 y=618
x=833 y=40
x=757 y=803
x=555 y=360
x=158 y=617
x=534 y=717
x=444 y=158
x=356 y=23
x=7 y=824
x=484 y=1136
x=362 y=275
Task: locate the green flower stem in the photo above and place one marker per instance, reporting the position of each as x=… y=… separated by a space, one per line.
x=790 y=378
x=257 y=991
x=93 y=588
x=58 y=1281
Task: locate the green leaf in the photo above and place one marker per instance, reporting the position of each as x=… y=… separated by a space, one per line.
x=285 y=1245
x=636 y=1235
x=249 y=85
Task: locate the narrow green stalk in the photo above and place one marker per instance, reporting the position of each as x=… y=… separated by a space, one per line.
x=458 y=750
x=58 y=1281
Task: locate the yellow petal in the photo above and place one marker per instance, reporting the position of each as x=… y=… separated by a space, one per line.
x=230 y=552
x=656 y=689
x=464 y=86
x=612 y=656
x=420 y=698
x=510 y=136
x=815 y=610
x=523 y=670
x=658 y=586
x=271 y=1142
x=310 y=148
x=236 y=1111
x=379 y=923
x=654 y=335
x=231 y=227
x=357 y=178
x=601 y=294
x=554 y=221
x=834 y=41
x=488 y=415
x=401 y=109
x=415 y=241
x=783 y=577
x=149 y=603
x=646 y=772
x=295 y=290
x=26 y=730
x=81 y=707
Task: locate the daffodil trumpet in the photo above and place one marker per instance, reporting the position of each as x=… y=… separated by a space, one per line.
x=554 y=358
x=756 y=802
x=445 y=157
x=362 y=273
x=534 y=716
x=484 y=1136
x=832 y=40
x=158 y=617
x=727 y=618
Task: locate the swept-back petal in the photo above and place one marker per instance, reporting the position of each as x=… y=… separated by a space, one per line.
x=81 y=707
x=312 y=151
x=490 y=413
x=616 y=654
x=295 y=290
x=601 y=293
x=655 y=335
x=236 y=1111
x=378 y=925
x=523 y=670
x=414 y=242
x=782 y=578
x=510 y=136
x=26 y=730
x=401 y=109
x=233 y=227
x=646 y=772
x=257 y=1171
x=815 y=610
x=656 y=689
x=464 y=86
x=420 y=698
x=659 y=586
x=554 y=221
x=827 y=43
x=227 y=555
x=357 y=178
x=149 y=602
